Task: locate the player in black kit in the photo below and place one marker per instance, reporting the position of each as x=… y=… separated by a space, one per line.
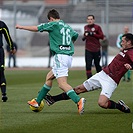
x=4 y=31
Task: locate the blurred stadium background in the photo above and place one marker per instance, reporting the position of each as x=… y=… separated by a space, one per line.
x=111 y=15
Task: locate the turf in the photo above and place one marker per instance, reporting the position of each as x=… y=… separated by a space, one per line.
x=62 y=117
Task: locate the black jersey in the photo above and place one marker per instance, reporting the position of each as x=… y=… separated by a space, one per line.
x=5 y=31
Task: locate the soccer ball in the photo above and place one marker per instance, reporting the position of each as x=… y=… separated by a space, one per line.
x=39 y=108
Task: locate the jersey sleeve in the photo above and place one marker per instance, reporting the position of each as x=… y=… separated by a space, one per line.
x=45 y=27
x=40 y=27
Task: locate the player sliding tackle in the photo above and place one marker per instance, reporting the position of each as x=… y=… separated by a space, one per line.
x=108 y=79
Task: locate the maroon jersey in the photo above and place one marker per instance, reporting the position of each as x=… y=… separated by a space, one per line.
x=92 y=42
x=116 y=68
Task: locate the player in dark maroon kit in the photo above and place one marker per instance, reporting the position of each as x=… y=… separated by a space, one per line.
x=92 y=34
x=107 y=79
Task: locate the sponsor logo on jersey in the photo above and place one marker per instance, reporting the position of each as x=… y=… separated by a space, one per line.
x=64 y=47
x=93 y=29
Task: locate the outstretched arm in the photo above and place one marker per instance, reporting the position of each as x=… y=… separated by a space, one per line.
x=29 y=28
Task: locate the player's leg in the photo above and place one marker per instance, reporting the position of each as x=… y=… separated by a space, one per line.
x=62 y=82
x=104 y=102
x=108 y=88
x=14 y=60
x=52 y=99
x=46 y=87
x=2 y=76
x=63 y=63
x=88 y=60
x=44 y=90
x=88 y=85
x=97 y=58
x=63 y=96
x=3 y=84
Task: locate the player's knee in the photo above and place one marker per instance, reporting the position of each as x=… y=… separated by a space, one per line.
x=102 y=104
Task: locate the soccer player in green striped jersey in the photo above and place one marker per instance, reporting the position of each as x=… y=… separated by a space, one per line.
x=61 y=37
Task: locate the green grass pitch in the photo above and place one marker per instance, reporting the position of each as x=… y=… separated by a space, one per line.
x=62 y=117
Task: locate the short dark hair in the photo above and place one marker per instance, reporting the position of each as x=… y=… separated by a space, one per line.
x=91 y=16
x=129 y=37
x=53 y=13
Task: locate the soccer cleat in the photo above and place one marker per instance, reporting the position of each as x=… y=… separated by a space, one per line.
x=4 y=98
x=49 y=100
x=126 y=109
x=80 y=105
x=33 y=103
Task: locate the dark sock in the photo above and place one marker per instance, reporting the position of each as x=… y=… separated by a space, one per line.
x=88 y=74
x=111 y=104
x=62 y=96
x=114 y=105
